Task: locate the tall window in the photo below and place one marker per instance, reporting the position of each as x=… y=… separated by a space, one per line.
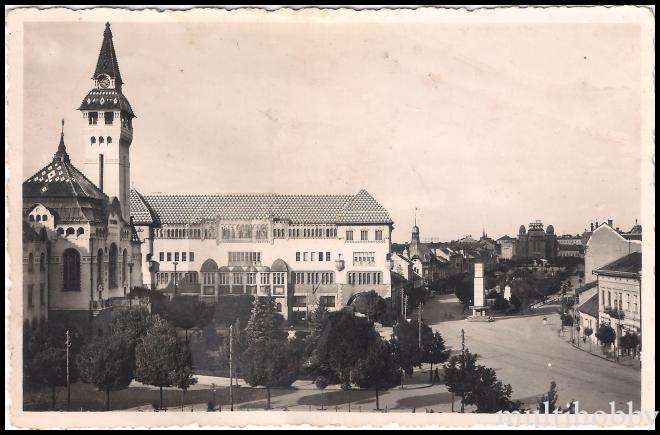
x=364 y=235
x=183 y=256
x=93 y=118
x=327 y=256
x=71 y=270
x=112 y=266
x=30 y=297
x=379 y=234
x=161 y=257
x=349 y=234
x=99 y=267
x=192 y=256
x=42 y=294
x=176 y=256
x=297 y=256
x=124 y=266
x=31 y=262
x=169 y=256
x=109 y=117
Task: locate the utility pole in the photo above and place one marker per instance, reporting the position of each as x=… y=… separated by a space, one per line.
x=68 y=378
x=463 y=368
x=405 y=307
x=419 y=324
x=231 y=382
x=175 y=264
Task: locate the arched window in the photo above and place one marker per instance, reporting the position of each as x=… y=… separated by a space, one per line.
x=38 y=218
x=124 y=265
x=60 y=231
x=109 y=140
x=70 y=231
x=42 y=262
x=279 y=307
x=112 y=266
x=92 y=140
x=31 y=218
x=99 y=268
x=31 y=262
x=101 y=139
x=71 y=270
x=80 y=231
x=44 y=217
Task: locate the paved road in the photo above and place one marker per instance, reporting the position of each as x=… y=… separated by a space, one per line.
x=528 y=355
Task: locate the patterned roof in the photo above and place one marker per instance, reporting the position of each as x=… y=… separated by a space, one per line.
x=140 y=211
x=306 y=209
x=106 y=99
x=61 y=187
x=107 y=62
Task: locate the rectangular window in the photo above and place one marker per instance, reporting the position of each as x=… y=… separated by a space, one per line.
x=169 y=256
x=161 y=257
x=327 y=301
x=327 y=256
x=349 y=234
x=379 y=234
x=176 y=256
x=364 y=258
x=364 y=235
x=109 y=117
x=297 y=256
x=312 y=256
x=192 y=256
x=93 y=118
x=42 y=294
x=183 y=256
x=304 y=256
x=265 y=278
x=223 y=278
x=251 y=278
x=30 y=301
x=300 y=301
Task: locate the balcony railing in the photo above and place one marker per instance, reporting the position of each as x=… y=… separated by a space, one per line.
x=615 y=313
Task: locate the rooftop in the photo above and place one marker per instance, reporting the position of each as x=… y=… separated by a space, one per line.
x=361 y=208
x=630 y=264
x=590 y=306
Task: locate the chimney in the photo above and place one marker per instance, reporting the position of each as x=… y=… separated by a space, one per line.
x=592 y=226
x=610 y=222
x=596 y=224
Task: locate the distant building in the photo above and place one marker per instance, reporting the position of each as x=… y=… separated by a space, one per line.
x=507 y=247
x=588 y=315
x=536 y=243
x=607 y=244
x=36 y=251
x=619 y=293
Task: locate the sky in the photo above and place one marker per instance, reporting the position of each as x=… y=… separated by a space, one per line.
x=476 y=126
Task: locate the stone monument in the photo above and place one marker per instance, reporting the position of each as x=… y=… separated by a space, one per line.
x=479 y=310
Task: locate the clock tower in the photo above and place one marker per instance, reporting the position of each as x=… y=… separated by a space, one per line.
x=108 y=130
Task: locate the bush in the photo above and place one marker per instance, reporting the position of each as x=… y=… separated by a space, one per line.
x=232 y=308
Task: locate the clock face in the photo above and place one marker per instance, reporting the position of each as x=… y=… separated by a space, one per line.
x=104 y=81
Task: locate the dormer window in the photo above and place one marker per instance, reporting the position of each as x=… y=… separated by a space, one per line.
x=93 y=118
x=109 y=117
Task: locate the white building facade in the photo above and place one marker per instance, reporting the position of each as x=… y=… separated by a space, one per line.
x=301 y=249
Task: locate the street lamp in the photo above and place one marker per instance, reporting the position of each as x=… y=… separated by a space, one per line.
x=175 y=265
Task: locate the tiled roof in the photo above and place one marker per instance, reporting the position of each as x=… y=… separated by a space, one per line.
x=586 y=287
x=590 y=306
x=506 y=237
x=106 y=99
x=629 y=264
x=107 y=62
x=140 y=211
x=305 y=209
x=61 y=187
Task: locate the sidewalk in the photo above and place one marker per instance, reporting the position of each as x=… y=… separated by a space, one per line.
x=597 y=351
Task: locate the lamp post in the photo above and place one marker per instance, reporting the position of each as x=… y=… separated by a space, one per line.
x=130 y=274
x=175 y=265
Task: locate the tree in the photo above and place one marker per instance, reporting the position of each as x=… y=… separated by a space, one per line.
x=488 y=394
x=237 y=307
x=182 y=376
x=187 y=312
x=270 y=363
x=321 y=383
x=377 y=369
x=435 y=352
x=132 y=325
x=265 y=321
x=550 y=399
x=606 y=335
x=156 y=356
x=337 y=345
x=587 y=333
x=370 y=304
x=107 y=363
x=407 y=348
x=629 y=342
x=44 y=357
x=238 y=346
x=460 y=372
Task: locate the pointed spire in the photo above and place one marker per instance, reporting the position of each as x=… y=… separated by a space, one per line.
x=61 y=148
x=107 y=62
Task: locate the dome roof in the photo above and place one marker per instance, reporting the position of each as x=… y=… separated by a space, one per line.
x=280 y=265
x=522 y=230
x=415 y=229
x=550 y=229
x=209 y=266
